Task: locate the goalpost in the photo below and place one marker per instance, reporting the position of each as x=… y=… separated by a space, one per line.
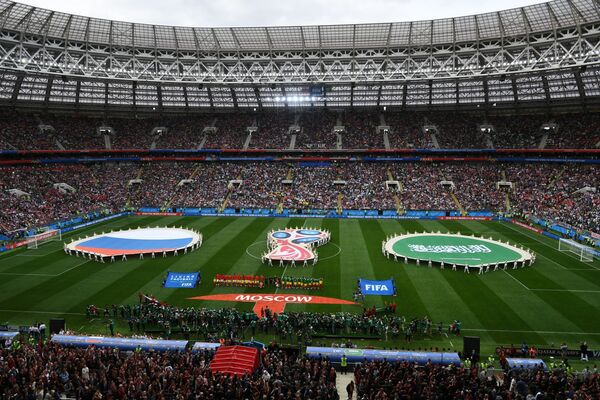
x=584 y=253
x=33 y=242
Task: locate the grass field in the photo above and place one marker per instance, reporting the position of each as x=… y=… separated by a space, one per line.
x=556 y=300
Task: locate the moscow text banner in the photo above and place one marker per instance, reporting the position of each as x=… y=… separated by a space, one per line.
x=185 y=280
x=380 y=288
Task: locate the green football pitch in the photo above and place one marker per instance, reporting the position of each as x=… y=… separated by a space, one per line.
x=555 y=300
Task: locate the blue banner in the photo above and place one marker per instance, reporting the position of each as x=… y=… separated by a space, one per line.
x=360 y=355
x=186 y=280
x=379 y=288
x=526 y=363
x=120 y=343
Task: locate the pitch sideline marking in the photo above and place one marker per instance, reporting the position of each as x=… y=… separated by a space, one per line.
x=49 y=275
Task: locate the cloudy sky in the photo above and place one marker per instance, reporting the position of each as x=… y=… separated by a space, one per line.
x=273 y=12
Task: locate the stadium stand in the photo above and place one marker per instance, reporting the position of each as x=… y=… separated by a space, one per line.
x=550 y=191
x=488 y=115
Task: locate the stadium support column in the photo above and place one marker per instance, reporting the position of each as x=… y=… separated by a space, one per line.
x=352 y=85
x=379 y=95
x=105 y=95
x=513 y=82
x=234 y=98
x=430 y=85
x=185 y=98
x=17 y=89
x=159 y=95
x=49 y=89
x=258 y=98
x=486 y=94
x=210 y=98
x=77 y=91
x=580 y=87
x=404 y=90
x=546 y=88
x=133 y=94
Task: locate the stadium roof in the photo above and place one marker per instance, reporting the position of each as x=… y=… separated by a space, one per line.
x=508 y=23
x=544 y=54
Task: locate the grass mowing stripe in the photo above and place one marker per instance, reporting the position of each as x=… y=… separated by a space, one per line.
x=142 y=273
x=515 y=236
x=440 y=299
x=38 y=263
x=411 y=303
x=568 y=304
x=552 y=251
x=233 y=248
x=334 y=279
x=490 y=308
x=561 y=315
x=208 y=259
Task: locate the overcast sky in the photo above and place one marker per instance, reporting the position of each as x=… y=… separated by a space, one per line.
x=213 y=13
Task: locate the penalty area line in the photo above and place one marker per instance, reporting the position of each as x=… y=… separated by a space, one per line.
x=508 y=224
x=520 y=283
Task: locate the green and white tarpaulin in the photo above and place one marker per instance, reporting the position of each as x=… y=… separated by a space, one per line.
x=456 y=250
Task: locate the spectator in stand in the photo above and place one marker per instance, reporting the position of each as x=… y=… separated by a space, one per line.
x=50 y=371
x=272 y=131
x=317 y=131
x=360 y=131
x=382 y=380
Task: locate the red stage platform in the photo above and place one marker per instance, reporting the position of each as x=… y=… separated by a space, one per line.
x=237 y=360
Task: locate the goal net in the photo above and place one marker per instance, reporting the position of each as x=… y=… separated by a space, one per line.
x=584 y=253
x=33 y=242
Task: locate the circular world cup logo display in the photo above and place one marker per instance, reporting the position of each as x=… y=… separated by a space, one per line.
x=294 y=245
x=452 y=250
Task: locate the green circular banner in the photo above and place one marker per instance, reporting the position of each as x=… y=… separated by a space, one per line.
x=456 y=249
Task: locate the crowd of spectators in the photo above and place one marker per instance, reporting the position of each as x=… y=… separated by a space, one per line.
x=48 y=371
x=561 y=193
x=96 y=187
x=365 y=187
x=261 y=186
x=457 y=131
x=475 y=185
x=273 y=131
x=317 y=131
x=380 y=380
x=22 y=132
x=453 y=130
x=181 y=133
x=554 y=192
x=231 y=132
x=421 y=188
x=158 y=184
x=361 y=131
x=208 y=185
x=406 y=131
x=313 y=187
x=76 y=133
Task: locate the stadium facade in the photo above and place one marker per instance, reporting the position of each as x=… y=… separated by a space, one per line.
x=534 y=56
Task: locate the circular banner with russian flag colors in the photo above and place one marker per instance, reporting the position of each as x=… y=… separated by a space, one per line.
x=139 y=241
